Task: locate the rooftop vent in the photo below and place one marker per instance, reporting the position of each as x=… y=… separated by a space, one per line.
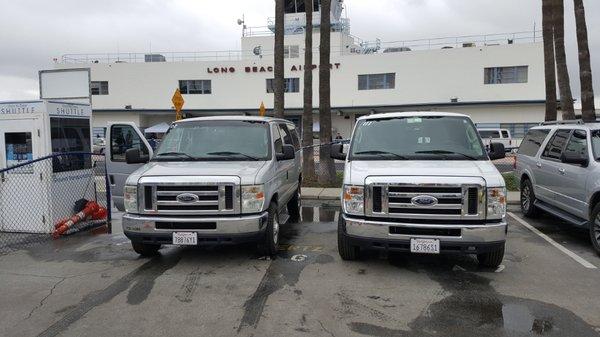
x=468 y=45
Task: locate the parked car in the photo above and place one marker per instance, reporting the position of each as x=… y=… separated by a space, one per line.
x=421 y=182
x=98 y=145
x=212 y=180
x=498 y=136
x=560 y=174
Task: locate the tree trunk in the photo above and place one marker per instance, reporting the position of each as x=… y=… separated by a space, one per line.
x=549 y=61
x=588 y=110
x=326 y=163
x=564 y=84
x=278 y=82
x=308 y=171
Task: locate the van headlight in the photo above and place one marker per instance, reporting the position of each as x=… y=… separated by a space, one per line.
x=496 y=202
x=253 y=198
x=353 y=200
x=130 y=199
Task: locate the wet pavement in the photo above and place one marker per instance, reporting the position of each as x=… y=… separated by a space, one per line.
x=97 y=286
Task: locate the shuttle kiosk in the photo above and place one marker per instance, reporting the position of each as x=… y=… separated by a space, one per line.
x=35 y=196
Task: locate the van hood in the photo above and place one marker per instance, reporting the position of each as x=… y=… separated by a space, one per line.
x=358 y=171
x=246 y=171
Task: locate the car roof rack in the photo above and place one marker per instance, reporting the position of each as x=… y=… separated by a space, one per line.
x=567 y=122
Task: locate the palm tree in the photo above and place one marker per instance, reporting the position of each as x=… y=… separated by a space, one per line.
x=278 y=82
x=549 y=61
x=326 y=164
x=308 y=171
x=564 y=84
x=588 y=110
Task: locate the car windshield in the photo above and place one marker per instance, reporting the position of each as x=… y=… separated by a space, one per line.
x=596 y=144
x=216 y=140
x=419 y=138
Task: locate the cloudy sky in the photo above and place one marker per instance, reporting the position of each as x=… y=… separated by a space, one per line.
x=33 y=32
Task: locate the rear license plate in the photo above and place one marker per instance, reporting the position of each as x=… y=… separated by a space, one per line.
x=425 y=246
x=185 y=238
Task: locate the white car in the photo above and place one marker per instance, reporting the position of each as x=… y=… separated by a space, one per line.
x=502 y=136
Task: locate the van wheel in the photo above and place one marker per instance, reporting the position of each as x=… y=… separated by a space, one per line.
x=595 y=228
x=528 y=199
x=347 y=251
x=492 y=259
x=145 y=249
x=270 y=242
x=293 y=206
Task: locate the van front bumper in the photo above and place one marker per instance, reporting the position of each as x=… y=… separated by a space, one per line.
x=219 y=229
x=457 y=238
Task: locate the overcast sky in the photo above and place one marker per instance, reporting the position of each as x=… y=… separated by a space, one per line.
x=33 y=32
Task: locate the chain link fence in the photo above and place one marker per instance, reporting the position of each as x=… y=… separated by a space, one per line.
x=38 y=195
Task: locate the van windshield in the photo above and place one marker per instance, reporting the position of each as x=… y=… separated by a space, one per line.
x=216 y=141
x=418 y=138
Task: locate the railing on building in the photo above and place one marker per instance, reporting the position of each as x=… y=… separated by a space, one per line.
x=362 y=47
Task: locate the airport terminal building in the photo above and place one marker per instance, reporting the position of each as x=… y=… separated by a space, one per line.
x=496 y=79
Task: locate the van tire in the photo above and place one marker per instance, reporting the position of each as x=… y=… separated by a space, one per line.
x=293 y=206
x=269 y=244
x=145 y=249
x=527 y=200
x=347 y=251
x=595 y=228
x=491 y=259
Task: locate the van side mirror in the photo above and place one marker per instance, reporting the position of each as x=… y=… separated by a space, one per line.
x=288 y=153
x=337 y=152
x=134 y=156
x=574 y=158
x=497 y=151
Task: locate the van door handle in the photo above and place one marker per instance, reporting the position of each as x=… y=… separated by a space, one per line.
x=561 y=170
x=538 y=164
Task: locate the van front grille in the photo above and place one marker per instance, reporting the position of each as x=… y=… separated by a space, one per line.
x=425 y=201
x=190 y=199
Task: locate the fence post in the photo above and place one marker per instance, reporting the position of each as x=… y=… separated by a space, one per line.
x=108 y=199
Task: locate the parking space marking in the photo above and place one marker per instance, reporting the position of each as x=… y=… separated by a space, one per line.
x=558 y=246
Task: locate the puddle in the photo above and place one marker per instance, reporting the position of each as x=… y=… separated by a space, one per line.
x=473 y=307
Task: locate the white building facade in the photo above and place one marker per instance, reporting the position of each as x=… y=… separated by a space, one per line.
x=496 y=79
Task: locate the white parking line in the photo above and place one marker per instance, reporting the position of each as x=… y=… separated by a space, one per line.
x=560 y=247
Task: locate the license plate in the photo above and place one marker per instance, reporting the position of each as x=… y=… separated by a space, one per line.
x=185 y=239
x=425 y=246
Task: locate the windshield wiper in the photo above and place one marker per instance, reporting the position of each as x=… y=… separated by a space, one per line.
x=382 y=154
x=444 y=152
x=180 y=154
x=230 y=153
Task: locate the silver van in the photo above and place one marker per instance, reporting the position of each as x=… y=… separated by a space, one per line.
x=421 y=182
x=213 y=180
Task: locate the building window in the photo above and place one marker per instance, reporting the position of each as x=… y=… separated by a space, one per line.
x=377 y=81
x=99 y=87
x=195 y=87
x=504 y=75
x=291 y=85
x=291 y=52
x=70 y=135
x=298 y=6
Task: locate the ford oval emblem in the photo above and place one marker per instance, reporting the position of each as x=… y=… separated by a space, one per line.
x=187 y=198
x=424 y=201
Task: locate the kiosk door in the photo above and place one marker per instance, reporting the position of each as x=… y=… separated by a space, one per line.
x=19 y=143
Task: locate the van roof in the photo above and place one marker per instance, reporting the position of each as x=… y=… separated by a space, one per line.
x=412 y=114
x=235 y=118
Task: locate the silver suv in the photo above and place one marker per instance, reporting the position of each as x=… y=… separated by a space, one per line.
x=213 y=180
x=421 y=182
x=559 y=172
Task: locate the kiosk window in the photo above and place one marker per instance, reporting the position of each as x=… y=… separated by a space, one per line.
x=18 y=148
x=70 y=135
x=123 y=138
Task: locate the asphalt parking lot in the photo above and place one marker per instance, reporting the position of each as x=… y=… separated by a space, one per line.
x=95 y=285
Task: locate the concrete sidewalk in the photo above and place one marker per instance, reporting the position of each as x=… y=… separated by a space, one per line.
x=319 y=193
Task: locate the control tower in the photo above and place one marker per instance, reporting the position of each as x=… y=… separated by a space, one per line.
x=295 y=17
